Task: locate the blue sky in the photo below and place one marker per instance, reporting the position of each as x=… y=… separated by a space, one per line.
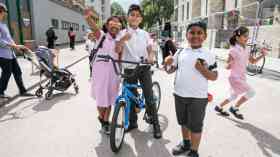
x=126 y=3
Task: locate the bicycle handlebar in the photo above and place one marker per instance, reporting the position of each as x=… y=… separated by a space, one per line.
x=107 y=58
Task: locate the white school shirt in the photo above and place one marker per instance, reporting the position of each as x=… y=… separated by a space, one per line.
x=189 y=82
x=136 y=47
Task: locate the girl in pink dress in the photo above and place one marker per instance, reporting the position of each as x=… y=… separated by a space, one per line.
x=237 y=62
x=105 y=83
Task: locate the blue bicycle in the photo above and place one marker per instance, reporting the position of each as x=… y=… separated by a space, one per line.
x=120 y=119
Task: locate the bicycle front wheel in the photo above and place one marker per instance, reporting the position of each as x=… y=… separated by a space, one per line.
x=117 y=127
x=156 y=94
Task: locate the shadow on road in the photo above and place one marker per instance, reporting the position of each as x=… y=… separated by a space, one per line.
x=145 y=144
x=266 y=141
x=269 y=74
x=104 y=150
x=46 y=105
x=42 y=105
x=5 y=110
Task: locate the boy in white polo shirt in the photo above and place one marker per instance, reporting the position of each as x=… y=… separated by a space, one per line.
x=135 y=43
x=194 y=66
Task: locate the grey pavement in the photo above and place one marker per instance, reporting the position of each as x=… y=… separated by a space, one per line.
x=67 y=125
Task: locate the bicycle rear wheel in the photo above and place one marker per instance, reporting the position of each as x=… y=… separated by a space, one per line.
x=117 y=127
x=255 y=68
x=156 y=94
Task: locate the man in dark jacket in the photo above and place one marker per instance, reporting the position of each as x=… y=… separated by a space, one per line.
x=51 y=37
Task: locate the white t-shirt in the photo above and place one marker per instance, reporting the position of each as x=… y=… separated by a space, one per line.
x=136 y=47
x=189 y=82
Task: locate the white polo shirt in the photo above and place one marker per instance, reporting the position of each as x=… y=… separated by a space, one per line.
x=189 y=82
x=136 y=47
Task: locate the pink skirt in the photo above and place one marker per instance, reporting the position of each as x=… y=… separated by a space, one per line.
x=104 y=84
x=238 y=85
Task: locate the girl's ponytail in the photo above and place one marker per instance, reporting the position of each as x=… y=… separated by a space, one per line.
x=232 y=40
x=237 y=33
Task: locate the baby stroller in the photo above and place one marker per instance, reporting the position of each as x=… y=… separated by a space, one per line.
x=58 y=79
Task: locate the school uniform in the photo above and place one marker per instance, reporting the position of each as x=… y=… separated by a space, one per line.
x=191 y=87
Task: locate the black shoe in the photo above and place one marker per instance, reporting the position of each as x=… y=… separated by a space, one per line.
x=157 y=131
x=193 y=153
x=4 y=96
x=106 y=128
x=131 y=127
x=236 y=113
x=221 y=111
x=181 y=148
x=148 y=119
x=101 y=121
x=26 y=94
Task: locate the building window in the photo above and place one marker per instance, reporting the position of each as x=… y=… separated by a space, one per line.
x=83 y=28
x=206 y=7
x=65 y=25
x=183 y=12
x=103 y=2
x=236 y=3
x=188 y=11
x=176 y=14
x=55 y=23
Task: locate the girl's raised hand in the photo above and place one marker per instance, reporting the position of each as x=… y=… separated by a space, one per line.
x=264 y=51
x=168 y=60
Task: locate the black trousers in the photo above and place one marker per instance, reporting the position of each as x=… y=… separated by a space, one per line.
x=143 y=75
x=9 y=67
x=51 y=44
x=72 y=43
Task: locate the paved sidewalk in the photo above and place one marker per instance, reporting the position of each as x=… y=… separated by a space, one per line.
x=67 y=58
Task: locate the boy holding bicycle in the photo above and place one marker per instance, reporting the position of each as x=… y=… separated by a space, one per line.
x=135 y=43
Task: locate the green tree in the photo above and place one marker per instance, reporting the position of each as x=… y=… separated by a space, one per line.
x=117 y=10
x=155 y=11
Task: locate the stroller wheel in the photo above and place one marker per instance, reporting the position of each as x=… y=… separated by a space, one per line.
x=49 y=95
x=39 y=92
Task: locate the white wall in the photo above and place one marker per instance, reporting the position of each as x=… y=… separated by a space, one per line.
x=44 y=10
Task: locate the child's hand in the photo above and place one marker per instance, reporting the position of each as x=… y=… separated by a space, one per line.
x=126 y=37
x=200 y=66
x=150 y=60
x=228 y=66
x=168 y=60
x=264 y=51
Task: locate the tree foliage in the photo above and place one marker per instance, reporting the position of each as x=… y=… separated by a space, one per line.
x=157 y=11
x=117 y=10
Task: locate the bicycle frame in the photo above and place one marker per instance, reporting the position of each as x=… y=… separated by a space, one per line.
x=128 y=97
